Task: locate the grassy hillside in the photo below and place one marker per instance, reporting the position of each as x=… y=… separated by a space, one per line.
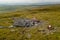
x=49 y=14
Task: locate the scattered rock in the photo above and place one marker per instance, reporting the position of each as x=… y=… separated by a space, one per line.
x=25 y=22
x=11 y=26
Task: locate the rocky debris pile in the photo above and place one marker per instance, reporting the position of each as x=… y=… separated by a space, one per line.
x=25 y=22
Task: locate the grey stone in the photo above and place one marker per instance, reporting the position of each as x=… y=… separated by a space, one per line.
x=1 y=27
x=24 y=22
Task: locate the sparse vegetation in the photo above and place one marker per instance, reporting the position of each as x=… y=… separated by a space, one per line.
x=51 y=14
